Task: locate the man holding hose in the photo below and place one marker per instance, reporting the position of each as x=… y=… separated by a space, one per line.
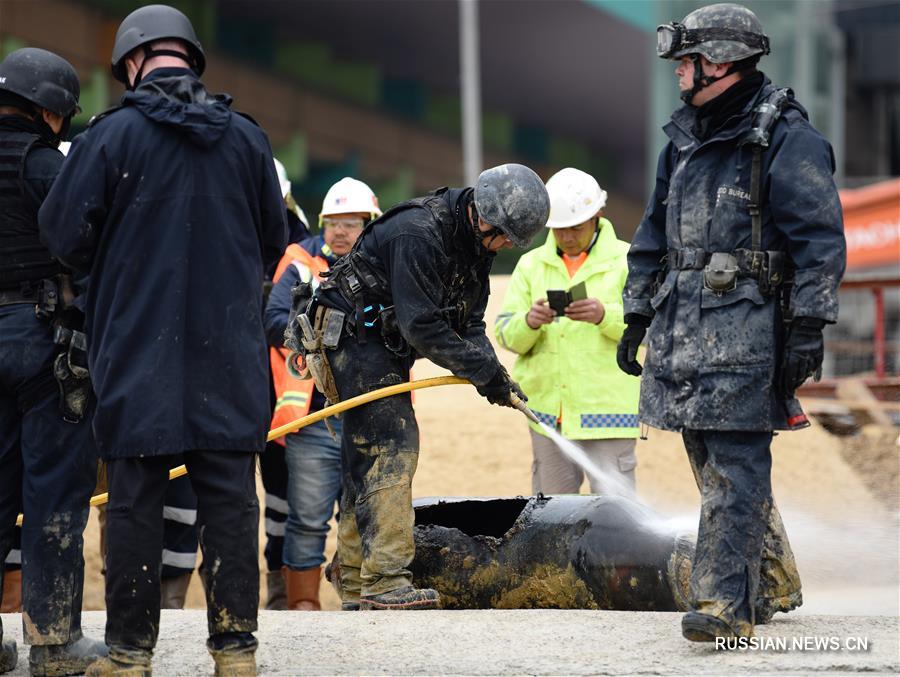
x=414 y=285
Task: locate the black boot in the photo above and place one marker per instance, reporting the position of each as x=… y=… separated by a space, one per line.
x=8 y=655
x=765 y=608
x=72 y=658
x=406 y=598
x=699 y=627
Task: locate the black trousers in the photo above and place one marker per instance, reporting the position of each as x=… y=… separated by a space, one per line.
x=227 y=523
x=733 y=471
x=180 y=543
x=48 y=469
x=273 y=469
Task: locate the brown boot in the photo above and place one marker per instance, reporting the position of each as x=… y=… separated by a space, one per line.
x=302 y=589
x=8 y=655
x=234 y=654
x=238 y=663
x=122 y=663
x=12 y=592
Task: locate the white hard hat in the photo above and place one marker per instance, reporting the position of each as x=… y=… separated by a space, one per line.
x=282 y=178
x=64 y=147
x=349 y=196
x=575 y=197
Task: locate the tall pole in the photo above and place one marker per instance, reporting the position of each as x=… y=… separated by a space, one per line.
x=470 y=84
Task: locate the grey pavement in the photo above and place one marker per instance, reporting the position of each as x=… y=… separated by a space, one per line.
x=523 y=642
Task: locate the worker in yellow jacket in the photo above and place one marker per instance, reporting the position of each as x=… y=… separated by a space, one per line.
x=567 y=357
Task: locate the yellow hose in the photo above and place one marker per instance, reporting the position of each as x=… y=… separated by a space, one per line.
x=317 y=416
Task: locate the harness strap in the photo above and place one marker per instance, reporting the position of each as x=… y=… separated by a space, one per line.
x=755 y=206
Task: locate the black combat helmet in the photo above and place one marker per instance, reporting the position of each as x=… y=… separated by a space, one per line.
x=42 y=78
x=149 y=24
x=514 y=200
x=723 y=33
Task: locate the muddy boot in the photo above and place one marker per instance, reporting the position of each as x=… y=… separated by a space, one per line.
x=779 y=580
x=765 y=608
x=72 y=658
x=12 y=592
x=406 y=598
x=8 y=655
x=349 y=601
x=276 y=592
x=302 y=589
x=234 y=654
x=122 y=662
x=699 y=627
x=173 y=591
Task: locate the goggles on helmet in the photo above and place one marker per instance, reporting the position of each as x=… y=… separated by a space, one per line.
x=674 y=37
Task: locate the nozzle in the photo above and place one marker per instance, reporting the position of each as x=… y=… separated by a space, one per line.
x=519 y=404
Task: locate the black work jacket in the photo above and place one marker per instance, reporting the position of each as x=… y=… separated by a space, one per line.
x=712 y=358
x=172 y=205
x=436 y=276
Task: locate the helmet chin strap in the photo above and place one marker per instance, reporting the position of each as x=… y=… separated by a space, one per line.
x=701 y=81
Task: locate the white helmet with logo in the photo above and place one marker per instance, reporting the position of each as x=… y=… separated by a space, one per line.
x=350 y=196
x=575 y=197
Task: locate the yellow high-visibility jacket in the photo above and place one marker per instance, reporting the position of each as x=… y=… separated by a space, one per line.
x=567 y=368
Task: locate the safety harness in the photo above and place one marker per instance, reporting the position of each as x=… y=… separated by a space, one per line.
x=364 y=286
x=24 y=260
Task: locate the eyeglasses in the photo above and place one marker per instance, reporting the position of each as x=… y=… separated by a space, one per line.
x=348 y=223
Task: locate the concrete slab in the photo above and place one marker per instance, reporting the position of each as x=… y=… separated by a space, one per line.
x=537 y=642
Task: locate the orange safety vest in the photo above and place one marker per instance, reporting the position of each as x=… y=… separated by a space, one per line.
x=293 y=396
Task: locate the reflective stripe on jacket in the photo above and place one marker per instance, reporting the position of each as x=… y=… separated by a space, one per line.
x=293 y=395
x=568 y=368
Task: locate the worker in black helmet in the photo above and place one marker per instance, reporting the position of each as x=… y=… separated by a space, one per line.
x=732 y=274
x=171 y=203
x=48 y=461
x=415 y=284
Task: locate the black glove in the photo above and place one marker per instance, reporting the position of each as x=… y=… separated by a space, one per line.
x=626 y=354
x=804 y=351
x=499 y=388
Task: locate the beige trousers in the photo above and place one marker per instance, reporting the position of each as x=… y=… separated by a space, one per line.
x=553 y=473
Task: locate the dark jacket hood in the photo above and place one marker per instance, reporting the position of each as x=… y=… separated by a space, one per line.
x=464 y=237
x=176 y=97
